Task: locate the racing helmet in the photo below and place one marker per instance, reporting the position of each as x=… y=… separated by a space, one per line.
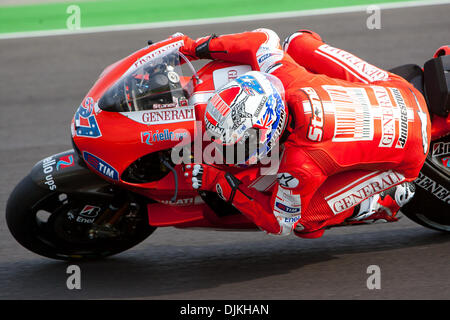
x=246 y=117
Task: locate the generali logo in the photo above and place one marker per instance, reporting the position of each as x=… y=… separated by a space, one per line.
x=162 y=116
x=362 y=189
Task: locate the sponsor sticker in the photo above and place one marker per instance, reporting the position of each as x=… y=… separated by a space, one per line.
x=86 y=215
x=85 y=122
x=90 y=211
x=264 y=57
x=261 y=105
x=101 y=166
x=291 y=220
x=162 y=116
x=353 y=115
x=403 y=125
x=365 y=70
x=387 y=117
x=382 y=97
x=151 y=137
x=155 y=53
x=222 y=76
x=362 y=189
x=50 y=164
x=47 y=168
x=268 y=57
x=286 y=208
x=315 y=127
x=441 y=149
x=65 y=162
x=287 y=199
x=446 y=162
x=232 y=74
x=432 y=186
x=183 y=201
x=387 y=127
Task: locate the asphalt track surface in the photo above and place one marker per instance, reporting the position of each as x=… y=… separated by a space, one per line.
x=42 y=81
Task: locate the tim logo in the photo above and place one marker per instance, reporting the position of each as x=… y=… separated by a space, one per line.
x=101 y=166
x=286 y=208
x=65 y=162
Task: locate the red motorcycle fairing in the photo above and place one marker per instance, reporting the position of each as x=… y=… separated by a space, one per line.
x=109 y=142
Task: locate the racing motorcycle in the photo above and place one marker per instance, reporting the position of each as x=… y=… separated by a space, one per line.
x=120 y=182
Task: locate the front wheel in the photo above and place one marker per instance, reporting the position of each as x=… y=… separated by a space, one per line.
x=428 y=211
x=430 y=206
x=75 y=226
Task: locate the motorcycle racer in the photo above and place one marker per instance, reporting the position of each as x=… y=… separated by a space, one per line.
x=353 y=135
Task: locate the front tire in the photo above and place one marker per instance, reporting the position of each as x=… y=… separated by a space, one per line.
x=49 y=223
x=430 y=206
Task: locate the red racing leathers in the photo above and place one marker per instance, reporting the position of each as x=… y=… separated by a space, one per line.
x=357 y=130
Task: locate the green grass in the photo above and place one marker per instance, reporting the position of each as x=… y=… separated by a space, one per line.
x=53 y=16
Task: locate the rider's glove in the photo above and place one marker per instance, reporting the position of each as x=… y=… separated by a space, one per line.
x=202 y=177
x=198 y=48
x=209 y=178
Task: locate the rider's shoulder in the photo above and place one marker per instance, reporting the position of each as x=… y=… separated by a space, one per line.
x=271 y=35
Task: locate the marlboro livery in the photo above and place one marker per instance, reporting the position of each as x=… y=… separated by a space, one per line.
x=346 y=137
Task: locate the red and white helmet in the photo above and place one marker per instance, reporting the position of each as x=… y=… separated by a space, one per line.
x=247 y=117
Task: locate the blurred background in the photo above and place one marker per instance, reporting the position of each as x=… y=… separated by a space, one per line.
x=32 y=15
x=51 y=53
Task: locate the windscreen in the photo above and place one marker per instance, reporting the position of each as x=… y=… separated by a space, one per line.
x=151 y=83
